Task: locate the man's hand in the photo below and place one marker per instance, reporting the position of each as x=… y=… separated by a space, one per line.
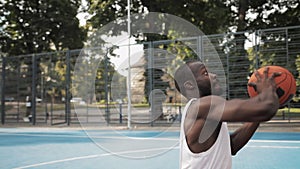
x=264 y=81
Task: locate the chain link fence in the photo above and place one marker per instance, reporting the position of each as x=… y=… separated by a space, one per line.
x=45 y=89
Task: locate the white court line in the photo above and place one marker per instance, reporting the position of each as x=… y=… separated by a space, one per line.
x=87 y=135
x=275 y=141
x=130 y=137
x=93 y=156
x=90 y=137
x=135 y=151
x=128 y=152
x=275 y=147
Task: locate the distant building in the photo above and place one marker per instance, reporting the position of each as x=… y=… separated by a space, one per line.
x=138 y=82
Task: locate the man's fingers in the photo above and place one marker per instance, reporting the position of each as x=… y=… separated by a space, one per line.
x=252 y=84
x=275 y=74
x=266 y=71
x=257 y=75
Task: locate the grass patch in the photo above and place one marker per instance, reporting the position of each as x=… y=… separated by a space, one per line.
x=291 y=110
x=286 y=112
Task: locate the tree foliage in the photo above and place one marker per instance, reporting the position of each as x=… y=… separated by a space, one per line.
x=262 y=14
x=211 y=17
x=39 y=26
x=47 y=25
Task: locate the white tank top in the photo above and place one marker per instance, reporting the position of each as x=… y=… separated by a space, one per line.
x=216 y=157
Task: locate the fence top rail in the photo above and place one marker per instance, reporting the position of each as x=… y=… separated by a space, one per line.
x=3 y=55
x=279 y=28
x=37 y=54
x=44 y=53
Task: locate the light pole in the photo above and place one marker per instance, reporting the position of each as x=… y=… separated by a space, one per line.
x=129 y=69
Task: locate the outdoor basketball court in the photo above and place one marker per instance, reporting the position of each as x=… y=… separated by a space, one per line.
x=119 y=149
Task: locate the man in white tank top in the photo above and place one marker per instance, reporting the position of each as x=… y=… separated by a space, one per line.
x=205 y=142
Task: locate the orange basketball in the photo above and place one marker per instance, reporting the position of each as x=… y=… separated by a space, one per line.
x=286 y=84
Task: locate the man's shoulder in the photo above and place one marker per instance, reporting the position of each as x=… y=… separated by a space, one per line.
x=206 y=103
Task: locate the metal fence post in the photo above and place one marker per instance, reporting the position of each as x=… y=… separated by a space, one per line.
x=199 y=47
x=106 y=87
x=287 y=47
x=150 y=76
x=33 y=89
x=2 y=90
x=120 y=113
x=256 y=49
x=67 y=100
x=227 y=68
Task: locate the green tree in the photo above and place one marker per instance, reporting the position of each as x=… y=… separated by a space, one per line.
x=39 y=26
x=262 y=14
x=103 y=82
x=211 y=17
x=273 y=13
x=199 y=13
x=256 y=15
x=265 y=14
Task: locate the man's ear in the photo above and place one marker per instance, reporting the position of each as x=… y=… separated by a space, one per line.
x=188 y=85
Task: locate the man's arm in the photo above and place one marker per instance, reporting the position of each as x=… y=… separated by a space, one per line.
x=241 y=136
x=260 y=108
x=251 y=111
x=257 y=109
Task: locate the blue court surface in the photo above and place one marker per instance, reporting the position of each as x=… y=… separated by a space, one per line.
x=124 y=149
